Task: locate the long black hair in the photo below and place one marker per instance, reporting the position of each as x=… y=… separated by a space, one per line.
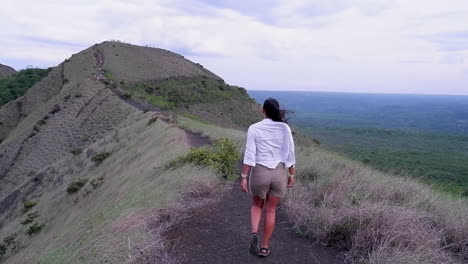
x=272 y=110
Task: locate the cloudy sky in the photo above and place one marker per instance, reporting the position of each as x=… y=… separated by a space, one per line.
x=387 y=46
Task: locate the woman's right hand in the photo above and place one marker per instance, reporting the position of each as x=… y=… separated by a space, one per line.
x=244 y=184
x=291 y=182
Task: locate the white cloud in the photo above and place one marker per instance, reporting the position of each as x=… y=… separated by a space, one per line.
x=345 y=45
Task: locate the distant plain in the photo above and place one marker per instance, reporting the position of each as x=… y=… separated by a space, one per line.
x=423 y=136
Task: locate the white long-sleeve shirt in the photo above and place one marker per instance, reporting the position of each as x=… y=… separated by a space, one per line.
x=269 y=143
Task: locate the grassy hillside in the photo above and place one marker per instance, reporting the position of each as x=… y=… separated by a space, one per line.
x=202 y=98
x=440 y=160
x=17 y=84
x=129 y=199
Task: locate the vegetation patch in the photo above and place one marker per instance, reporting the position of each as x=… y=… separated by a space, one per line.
x=76 y=185
x=175 y=93
x=28 y=205
x=100 y=157
x=375 y=217
x=76 y=151
x=18 y=84
x=9 y=240
x=97 y=182
x=34 y=228
x=222 y=155
x=30 y=218
x=3 y=250
x=152 y=120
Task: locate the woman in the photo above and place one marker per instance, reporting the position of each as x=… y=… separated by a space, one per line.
x=269 y=151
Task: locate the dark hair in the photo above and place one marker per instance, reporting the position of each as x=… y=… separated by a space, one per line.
x=273 y=110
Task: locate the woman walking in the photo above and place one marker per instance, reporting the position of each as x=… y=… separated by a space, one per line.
x=269 y=151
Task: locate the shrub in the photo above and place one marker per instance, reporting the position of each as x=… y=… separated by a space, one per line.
x=221 y=155
x=34 y=228
x=76 y=185
x=76 y=151
x=30 y=218
x=152 y=120
x=9 y=240
x=126 y=95
x=97 y=182
x=28 y=205
x=3 y=250
x=100 y=157
x=56 y=108
x=108 y=74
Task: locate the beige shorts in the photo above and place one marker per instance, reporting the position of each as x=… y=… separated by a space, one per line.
x=264 y=181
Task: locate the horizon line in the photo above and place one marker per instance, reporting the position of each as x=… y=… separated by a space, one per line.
x=387 y=93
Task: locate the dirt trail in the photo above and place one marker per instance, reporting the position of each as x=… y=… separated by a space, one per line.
x=220 y=232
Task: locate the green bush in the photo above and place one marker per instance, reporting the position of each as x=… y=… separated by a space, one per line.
x=97 y=182
x=76 y=151
x=28 y=205
x=100 y=157
x=222 y=155
x=76 y=185
x=3 y=250
x=152 y=120
x=30 y=218
x=9 y=240
x=34 y=228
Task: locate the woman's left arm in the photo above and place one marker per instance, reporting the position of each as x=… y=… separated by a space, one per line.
x=290 y=158
x=245 y=171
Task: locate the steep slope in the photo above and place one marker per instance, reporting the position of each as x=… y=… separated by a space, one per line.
x=62 y=129
x=6 y=71
x=74 y=106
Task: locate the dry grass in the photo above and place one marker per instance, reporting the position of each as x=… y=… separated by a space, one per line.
x=376 y=217
x=117 y=222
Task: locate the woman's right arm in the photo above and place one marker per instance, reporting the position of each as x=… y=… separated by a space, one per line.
x=249 y=158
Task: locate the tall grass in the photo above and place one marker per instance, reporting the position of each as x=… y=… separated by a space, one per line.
x=375 y=217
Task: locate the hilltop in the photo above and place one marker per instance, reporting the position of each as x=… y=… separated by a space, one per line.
x=121 y=150
x=6 y=71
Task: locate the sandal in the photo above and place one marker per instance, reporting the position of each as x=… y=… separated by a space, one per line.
x=264 y=252
x=254 y=244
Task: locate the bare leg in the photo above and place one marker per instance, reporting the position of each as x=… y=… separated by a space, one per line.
x=270 y=214
x=256 y=213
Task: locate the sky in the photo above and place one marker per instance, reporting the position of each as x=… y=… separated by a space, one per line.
x=376 y=46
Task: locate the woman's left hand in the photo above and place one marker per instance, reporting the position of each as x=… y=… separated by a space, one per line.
x=244 y=185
